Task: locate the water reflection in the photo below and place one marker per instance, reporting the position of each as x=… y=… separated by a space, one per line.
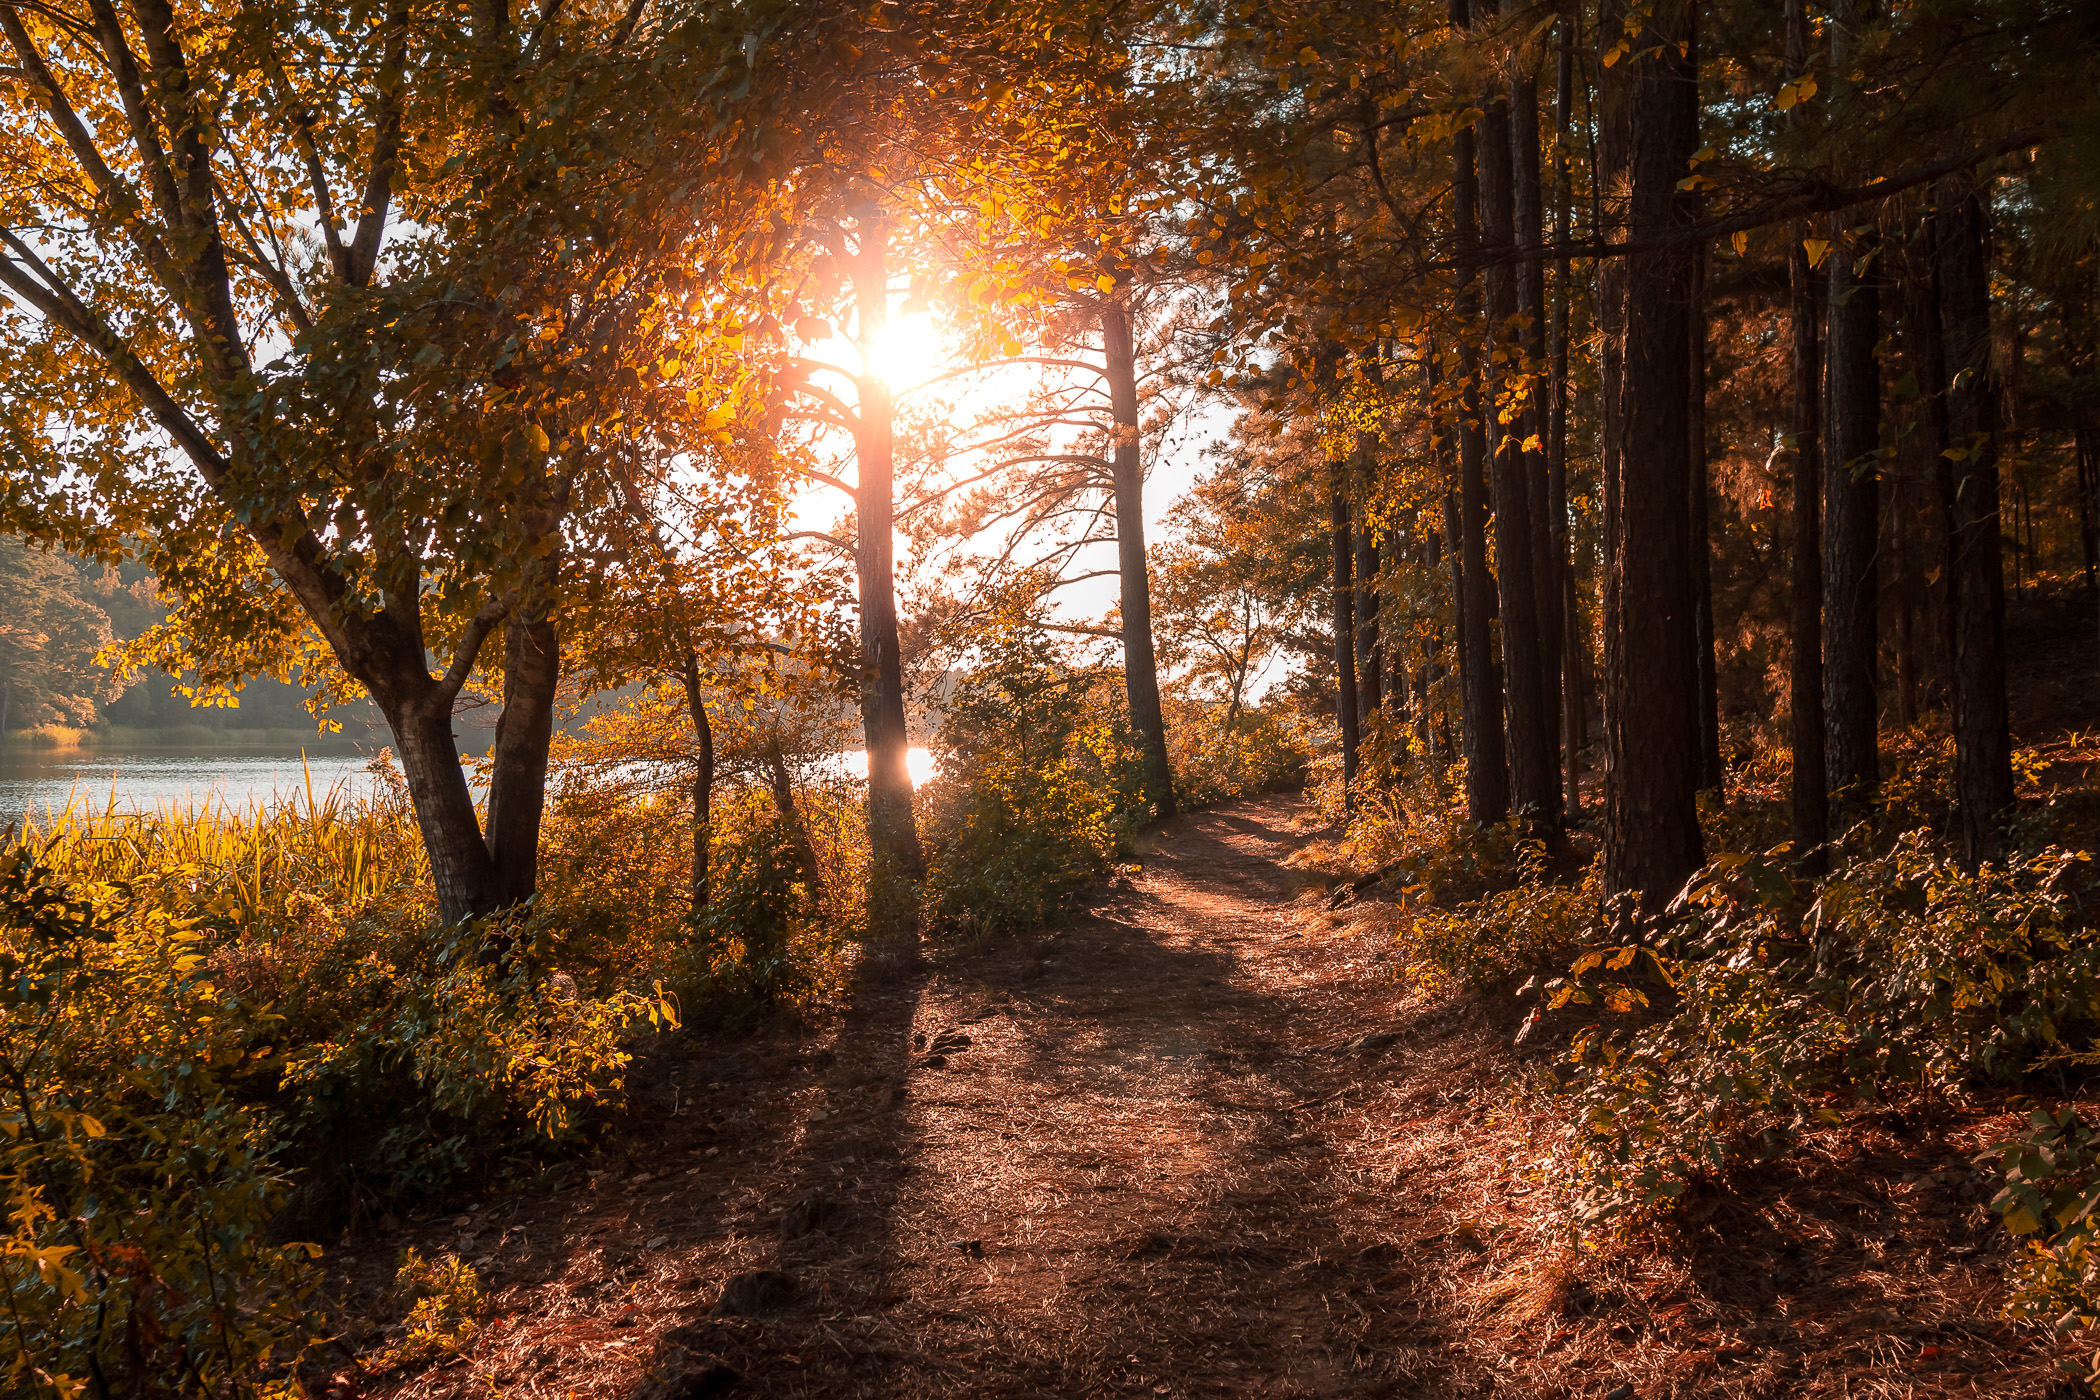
x=42 y=781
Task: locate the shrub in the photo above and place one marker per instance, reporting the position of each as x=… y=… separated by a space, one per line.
x=445 y=1306
x=1262 y=750
x=1898 y=971
x=1486 y=942
x=1038 y=787
x=139 y=1187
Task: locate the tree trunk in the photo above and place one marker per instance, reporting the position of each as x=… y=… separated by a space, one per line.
x=461 y=872
x=1982 y=743
x=893 y=836
x=1140 y=663
x=1705 y=673
x=1548 y=550
x=1652 y=841
x=1370 y=663
x=703 y=781
x=1811 y=782
x=1344 y=590
x=1851 y=481
x=518 y=766
x=1534 y=770
x=783 y=790
x=2087 y=445
x=1851 y=528
x=1480 y=685
x=1370 y=654
x=1572 y=644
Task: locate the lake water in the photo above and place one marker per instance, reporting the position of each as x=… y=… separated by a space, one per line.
x=47 y=780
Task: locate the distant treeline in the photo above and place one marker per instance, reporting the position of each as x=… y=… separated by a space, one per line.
x=59 y=614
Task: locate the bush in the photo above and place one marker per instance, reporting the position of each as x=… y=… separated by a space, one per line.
x=1262 y=750
x=139 y=1187
x=1897 y=972
x=1039 y=786
x=1487 y=942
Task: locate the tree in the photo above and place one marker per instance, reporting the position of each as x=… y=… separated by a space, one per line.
x=52 y=631
x=1651 y=833
x=340 y=308
x=1982 y=744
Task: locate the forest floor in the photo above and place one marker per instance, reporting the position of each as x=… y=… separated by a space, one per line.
x=1200 y=1142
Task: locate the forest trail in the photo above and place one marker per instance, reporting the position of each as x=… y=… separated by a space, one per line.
x=1198 y=1142
x=1162 y=1164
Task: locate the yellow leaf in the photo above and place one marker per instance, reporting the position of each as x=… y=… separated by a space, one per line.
x=1615 y=53
x=1740 y=242
x=1010 y=346
x=92 y=1125
x=2021 y=1221
x=1105 y=282
x=1621 y=959
x=1308 y=54
x=537 y=436
x=1818 y=249
x=1532 y=444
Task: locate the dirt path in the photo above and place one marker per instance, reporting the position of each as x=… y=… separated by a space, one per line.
x=1146 y=1173
x=1198 y=1143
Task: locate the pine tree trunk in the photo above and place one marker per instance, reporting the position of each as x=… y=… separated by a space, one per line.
x=1652 y=841
x=1982 y=743
x=1811 y=781
x=1572 y=643
x=1140 y=661
x=1851 y=524
x=703 y=782
x=1534 y=770
x=1548 y=552
x=1706 y=674
x=1480 y=684
x=1344 y=591
x=893 y=839
x=1370 y=660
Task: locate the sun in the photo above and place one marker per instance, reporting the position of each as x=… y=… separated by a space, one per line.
x=908 y=350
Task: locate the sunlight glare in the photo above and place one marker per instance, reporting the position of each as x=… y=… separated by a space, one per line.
x=918 y=762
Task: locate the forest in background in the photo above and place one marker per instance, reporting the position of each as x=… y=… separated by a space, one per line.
x=1623 y=429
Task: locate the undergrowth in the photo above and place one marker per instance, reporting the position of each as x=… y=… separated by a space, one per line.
x=1763 y=1008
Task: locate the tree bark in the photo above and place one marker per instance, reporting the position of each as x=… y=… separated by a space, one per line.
x=1344 y=590
x=1851 y=497
x=893 y=837
x=1140 y=662
x=461 y=873
x=1652 y=841
x=1370 y=660
x=1572 y=644
x=518 y=765
x=1851 y=485
x=1982 y=741
x=703 y=781
x=1548 y=549
x=1811 y=780
x=1480 y=684
x=1705 y=674
x=1534 y=770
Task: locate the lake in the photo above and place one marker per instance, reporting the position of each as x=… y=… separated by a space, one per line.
x=146 y=780
x=43 y=780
